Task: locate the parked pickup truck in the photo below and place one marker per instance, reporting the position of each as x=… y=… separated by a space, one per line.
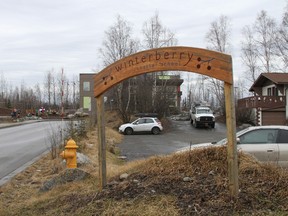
x=202 y=116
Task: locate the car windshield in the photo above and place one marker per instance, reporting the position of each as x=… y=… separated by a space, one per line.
x=224 y=141
x=203 y=111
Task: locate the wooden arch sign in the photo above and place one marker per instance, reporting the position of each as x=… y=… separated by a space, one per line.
x=206 y=62
x=210 y=63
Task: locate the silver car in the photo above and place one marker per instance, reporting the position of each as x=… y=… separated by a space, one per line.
x=146 y=124
x=266 y=143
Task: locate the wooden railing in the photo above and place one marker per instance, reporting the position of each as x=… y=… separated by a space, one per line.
x=262 y=101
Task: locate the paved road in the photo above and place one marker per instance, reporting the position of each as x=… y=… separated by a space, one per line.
x=179 y=135
x=21 y=145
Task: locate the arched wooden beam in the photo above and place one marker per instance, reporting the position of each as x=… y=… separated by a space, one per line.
x=196 y=60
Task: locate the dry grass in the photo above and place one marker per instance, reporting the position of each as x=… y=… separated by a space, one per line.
x=155 y=186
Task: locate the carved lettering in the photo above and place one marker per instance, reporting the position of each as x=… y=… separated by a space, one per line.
x=118 y=67
x=137 y=60
x=173 y=54
x=150 y=57
x=158 y=56
x=189 y=58
x=164 y=58
x=130 y=63
x=166 y=55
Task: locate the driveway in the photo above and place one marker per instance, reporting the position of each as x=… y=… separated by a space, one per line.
x=179 y=134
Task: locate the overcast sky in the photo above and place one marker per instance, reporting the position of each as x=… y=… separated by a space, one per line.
x=40 y=35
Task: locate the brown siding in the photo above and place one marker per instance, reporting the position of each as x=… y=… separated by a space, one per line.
x=273 y=118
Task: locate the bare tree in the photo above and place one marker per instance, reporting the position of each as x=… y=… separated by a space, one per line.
x=54 y=90
x=48 y=86
x=249 y=54
x=61 y=81
x=282 y=39
x=155 y=36
x=67 y=94
x=190 y=90
x=259 y=46
x=218 y=37
x=15 y=97
x=38 y=95
x=118 y=44
x=75 y=94
x=24 y=101
x=265 y=31
x=202 y=90
x=28 y=99
x=3 y=87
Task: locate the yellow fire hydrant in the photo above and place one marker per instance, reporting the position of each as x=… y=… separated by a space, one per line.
x=69 y=154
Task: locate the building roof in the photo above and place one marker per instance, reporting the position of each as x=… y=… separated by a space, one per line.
x=277 y=78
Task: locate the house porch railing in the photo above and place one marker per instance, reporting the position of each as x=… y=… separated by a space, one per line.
x=262 y=101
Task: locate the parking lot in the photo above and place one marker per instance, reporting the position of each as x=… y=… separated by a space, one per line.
x=179 y=134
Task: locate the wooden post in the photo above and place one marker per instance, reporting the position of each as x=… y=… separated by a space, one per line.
x=101 y=141
x=231 y=138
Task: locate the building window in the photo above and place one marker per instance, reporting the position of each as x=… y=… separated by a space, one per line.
x=86 y=86
x=269 y=92
x=87 y=103
x=275 y=91
x=272 y=91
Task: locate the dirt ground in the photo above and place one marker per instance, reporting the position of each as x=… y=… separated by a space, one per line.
x=198 y=182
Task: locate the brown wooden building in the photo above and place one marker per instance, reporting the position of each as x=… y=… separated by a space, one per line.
x=270 y=99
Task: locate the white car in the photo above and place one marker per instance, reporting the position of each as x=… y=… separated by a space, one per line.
x=146 y=124
x=266 y=143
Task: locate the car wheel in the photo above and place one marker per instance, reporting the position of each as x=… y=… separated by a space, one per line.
x=128 y=131
x=155 y=130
